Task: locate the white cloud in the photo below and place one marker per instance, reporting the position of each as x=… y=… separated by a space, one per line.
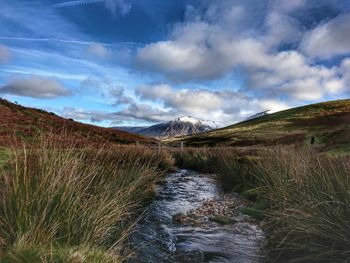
x=118 y=5
x=223 y=106
x=35 y=87
x=272 y=105
x=329 y=39
x=345 y=69
x=5 y=54
x=115 y=94
x=281 y=29
x=207 y=48
x=98 y=50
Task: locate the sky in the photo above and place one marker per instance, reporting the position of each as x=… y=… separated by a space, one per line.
x=140 y=62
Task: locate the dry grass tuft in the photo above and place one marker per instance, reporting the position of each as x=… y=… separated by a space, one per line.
x=63 y=202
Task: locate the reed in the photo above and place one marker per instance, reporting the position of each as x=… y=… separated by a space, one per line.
x=301 y=196
x=64 y=202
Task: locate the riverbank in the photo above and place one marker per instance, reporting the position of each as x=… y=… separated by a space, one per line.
x=67 y=202
x=192 y=220
x=299 y=195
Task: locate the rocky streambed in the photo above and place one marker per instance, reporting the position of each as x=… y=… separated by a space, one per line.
x=191 y=220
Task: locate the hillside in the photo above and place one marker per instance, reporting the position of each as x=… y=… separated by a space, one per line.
x=328 y=123
x=25 y=123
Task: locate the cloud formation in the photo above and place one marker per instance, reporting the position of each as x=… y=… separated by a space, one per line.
x=5 y=54
x=221 y=60
x=35 y=87
x=224 y=39
x=114 y=6
x=98 y=50
x=224 y=106
x=328 y=39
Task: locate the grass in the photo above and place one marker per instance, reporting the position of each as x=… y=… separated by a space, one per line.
x=4 y=156
x=328 y=122
x=64 y=202
x=310 y=206
x=301 y=196
x=26 y=123
x=230 y=165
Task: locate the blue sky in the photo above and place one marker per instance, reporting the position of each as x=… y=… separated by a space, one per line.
x=138 y=62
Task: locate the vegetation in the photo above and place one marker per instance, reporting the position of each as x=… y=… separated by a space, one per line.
x=27 y=123
x=308 y=219
x=328 y=123
x=71 y=199
x=64 y=202
x=301 y=196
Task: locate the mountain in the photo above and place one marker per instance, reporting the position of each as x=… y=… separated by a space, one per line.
x=178 y=127
x=257 y=115
x=328 y=123
x=26 y=123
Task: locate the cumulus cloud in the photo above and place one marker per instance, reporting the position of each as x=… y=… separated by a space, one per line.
x=134 y=112
x=223 y=106
x=329 y=39
x=35 y=87
x=98 y=50
x=5 y=54
x=345 y=69
x=161 y=103
x=288 y=73
x=217 y=42
x=281 y=29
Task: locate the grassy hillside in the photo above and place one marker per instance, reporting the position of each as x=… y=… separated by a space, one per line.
x=25 y=123
x=328 y=123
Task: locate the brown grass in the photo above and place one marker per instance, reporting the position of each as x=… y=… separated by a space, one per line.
x=301 y=195
x=60 y=200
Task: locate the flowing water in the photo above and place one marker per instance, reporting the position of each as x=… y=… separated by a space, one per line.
x=158 y=239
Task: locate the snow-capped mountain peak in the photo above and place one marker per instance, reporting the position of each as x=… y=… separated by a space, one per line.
x=188 y=119
x=196 y=121
x=184 y=125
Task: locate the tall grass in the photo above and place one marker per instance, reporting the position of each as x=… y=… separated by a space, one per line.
x=64 y=202
x=305 y=196
x=233 y=168
x=309 y=193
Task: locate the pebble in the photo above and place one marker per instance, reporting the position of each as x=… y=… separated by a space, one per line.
x=224 y=210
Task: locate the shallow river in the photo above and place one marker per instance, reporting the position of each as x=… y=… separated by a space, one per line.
x=158 y=239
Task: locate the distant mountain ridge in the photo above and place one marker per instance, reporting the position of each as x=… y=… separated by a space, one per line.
x=185 y=125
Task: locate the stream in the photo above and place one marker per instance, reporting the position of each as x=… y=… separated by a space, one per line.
x=159 y=238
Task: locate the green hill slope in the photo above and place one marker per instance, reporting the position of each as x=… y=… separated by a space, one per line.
x=328 y=123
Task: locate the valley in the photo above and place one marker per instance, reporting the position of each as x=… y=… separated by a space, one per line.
x=220 y=198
